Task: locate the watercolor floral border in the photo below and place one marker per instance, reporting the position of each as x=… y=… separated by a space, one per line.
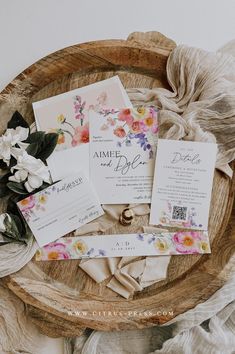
x=176 y=243
x=166 y=219
x=133 y=124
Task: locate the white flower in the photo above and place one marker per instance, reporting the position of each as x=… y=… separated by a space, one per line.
x=8 y=141
x=2 y=219
x=32 y=169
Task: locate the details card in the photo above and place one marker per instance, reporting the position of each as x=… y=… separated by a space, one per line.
x=101 y=246
x=122 y=154
x=182 y=185
x=60 y=208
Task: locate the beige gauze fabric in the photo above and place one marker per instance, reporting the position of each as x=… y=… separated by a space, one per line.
x=128 y=274
x=201 y=105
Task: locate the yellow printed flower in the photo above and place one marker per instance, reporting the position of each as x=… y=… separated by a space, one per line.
x=80 y=247
x=38 y=255
x=42 y=199
x=163 y=220
x=141 y=112
x=149 y=121
x=204 y=246
x=53 y=255
x=61 y=119
x=188 y=241
x=161 y=245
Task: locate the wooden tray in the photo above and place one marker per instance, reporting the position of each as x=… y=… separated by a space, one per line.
x=54 y=292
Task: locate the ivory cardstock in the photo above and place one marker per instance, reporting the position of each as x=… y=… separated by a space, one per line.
x=60 y=208
x=122 y=154
x=182 y=186
x=68 y=115
x=101 y=246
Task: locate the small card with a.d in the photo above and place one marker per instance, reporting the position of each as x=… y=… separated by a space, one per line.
x=60 y=208
x=101 y=246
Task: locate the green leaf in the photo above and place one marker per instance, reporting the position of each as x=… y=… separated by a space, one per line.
x=48 y=146
x=11 y=231
x=3 y=165
x=36 y=137
x=4 y=191
x=32 y=149
x=18 y=224
x=13 y=162
x=17 y=187
x=12 y=209
x=11 y=205
x=17 y=120
x=16 y=229
x=4 y=178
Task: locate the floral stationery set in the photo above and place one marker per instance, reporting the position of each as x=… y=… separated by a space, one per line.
x=108 y=152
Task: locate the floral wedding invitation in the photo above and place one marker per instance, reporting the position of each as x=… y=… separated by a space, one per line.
x=68 y=115
x=122 y=154
x=182 y=186
x=60 y=208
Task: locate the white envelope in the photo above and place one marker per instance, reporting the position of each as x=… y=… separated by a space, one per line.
x=67 y=162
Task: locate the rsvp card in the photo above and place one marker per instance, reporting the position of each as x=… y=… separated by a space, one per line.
x=182 y=186
x=122 y=154
x=60 y=208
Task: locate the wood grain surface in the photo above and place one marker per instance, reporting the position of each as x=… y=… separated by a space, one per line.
x=60 y=298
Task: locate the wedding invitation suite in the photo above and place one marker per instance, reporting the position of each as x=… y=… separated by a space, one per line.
x=122 y=154
x=68 y=115
x=101 y=246
x=182 y=185
x=60 y=208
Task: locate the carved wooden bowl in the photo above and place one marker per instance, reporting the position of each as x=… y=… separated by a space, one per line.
x=60 y=298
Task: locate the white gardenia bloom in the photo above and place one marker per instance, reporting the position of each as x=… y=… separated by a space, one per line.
x=8 y=141
x=32 y=169
x=19 y=176
x=2 y=218
x=33 y=182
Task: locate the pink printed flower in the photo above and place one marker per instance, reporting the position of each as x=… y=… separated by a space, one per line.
x=104 y=127
x=80 y=116
x=136 y=126
x=111 y=121
x=102 y=98
x=186 y=224
x=125 y=116
x=27 y=203
x=186 y=241
x=154 y=128
x=56 y=250
x=119 y=132
x=81 y=135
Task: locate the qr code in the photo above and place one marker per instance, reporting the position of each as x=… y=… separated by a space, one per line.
x=179 y=213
